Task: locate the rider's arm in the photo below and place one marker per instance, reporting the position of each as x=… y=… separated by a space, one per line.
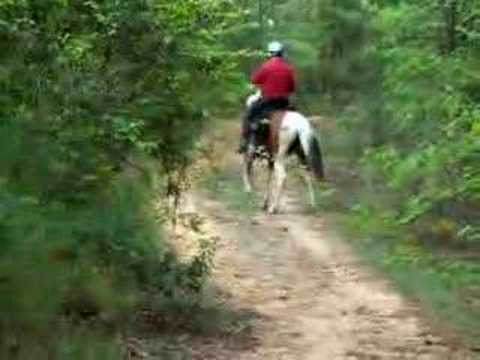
x=293 y=81
x=259 y=76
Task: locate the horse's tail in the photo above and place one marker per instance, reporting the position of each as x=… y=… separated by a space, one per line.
x=314 y=156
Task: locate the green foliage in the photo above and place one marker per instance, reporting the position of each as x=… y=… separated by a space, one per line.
x=87 y=87
x=403 y=75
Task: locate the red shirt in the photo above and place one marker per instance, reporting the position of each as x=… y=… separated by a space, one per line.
x=276 y=78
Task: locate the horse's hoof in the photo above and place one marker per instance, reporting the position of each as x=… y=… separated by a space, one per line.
x=272 y=211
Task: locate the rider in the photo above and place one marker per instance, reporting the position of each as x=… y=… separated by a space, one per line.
x=276 y=80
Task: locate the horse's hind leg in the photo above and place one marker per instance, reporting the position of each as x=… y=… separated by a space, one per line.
x=286 y=138
x=307 y=176
x=248 y=170
x=268 y=192
x=311 y=192
x=280 y=177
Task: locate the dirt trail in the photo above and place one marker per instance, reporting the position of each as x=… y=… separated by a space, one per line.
x=311 y=297
x=304 y=293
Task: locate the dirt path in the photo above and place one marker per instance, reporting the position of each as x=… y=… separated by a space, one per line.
x=300 y=292
x=308 y=295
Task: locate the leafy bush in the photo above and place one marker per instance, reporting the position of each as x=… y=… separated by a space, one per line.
x=88 y=87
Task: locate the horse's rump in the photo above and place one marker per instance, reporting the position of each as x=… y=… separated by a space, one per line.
x=268 y=136
x=276 y=120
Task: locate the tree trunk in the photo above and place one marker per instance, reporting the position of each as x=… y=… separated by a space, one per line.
x=449 y=28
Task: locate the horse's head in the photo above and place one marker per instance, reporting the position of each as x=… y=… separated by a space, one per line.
x=253 y=98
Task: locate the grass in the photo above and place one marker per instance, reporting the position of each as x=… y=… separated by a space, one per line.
x=228 y=188
x=429 y=280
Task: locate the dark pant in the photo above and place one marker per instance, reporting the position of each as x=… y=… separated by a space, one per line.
x=261 y=109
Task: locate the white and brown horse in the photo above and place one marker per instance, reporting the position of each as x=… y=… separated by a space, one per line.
x=289 y=132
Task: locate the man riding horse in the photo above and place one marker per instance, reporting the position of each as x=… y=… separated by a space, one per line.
x=288 y=131
x=276 y=80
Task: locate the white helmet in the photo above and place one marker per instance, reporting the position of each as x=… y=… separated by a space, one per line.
x=275 y=48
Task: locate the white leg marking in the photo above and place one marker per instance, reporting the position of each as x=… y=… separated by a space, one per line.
x=286 y=138
x=308 y=180
x=247 y=173
x=268 y=192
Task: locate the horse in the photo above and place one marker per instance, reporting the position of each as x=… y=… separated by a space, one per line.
x=287 y=132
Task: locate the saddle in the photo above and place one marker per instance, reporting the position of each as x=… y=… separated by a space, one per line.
x=265 y=133
x=266 y=137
